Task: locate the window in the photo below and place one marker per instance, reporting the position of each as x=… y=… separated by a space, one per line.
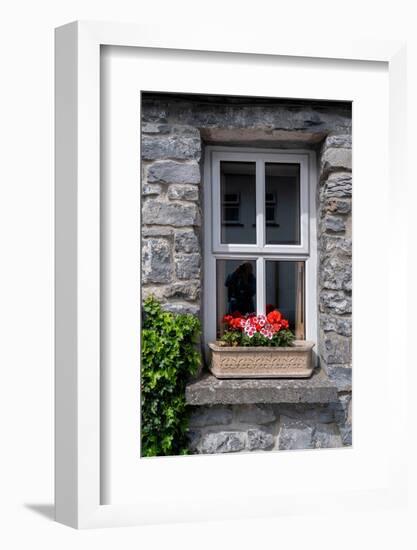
x=260 y=250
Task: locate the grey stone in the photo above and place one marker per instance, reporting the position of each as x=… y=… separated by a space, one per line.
x=158 y=292
x=327 y=436
x=209 y=390
x=341 y=376
x=151 y=189
x=210 y=416
x=189 y=290
x=156 y=261
x=171 y=147
x=174 y=172
x=307 y=413
x=294 y=434
x=186 y=241
x=335 y=245
x=194 y=437
x=187 y=266
x=335 y=158
x=154 y=112
x=170 y=213
x=335 y=301
x=265 y=116
x=259 y=439
x=155 y=128
x=183 y=192
x=336 y=273
x=157 y=231
x=334 y=224
x=221 y=442
x=338 y=184
x=336 y=349
x=341 y=140
x=181 y=308
x=340 y=325
x=255 y=414
x=338 y=206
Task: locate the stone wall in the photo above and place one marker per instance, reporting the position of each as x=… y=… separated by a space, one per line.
x=223 y=429
x=174 y=132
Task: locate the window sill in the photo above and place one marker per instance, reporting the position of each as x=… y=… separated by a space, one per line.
x=209 y=390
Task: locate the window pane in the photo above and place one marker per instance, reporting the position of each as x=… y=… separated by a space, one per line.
x=238 y=202
x=236 y=288
x=285 y=292
x=282 y=203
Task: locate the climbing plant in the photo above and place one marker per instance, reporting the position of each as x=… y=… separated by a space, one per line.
x=169 y=358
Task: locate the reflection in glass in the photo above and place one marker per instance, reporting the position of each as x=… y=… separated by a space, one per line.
x=282 y=203
x=236 y=288
x=238 y=207
x=285 y=292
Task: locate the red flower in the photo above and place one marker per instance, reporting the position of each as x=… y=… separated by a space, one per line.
x=284 y=323
x=227 y=319
x=274 y=317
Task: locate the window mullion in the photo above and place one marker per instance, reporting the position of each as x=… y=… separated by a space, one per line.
x=260 y=286
x=260 y=203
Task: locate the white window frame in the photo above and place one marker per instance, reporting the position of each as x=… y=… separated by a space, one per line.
x=214 y=250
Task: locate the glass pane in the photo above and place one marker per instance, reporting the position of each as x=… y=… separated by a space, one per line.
x=238 y=202
x=236 y=288
x=285 y=292
x=282 y=203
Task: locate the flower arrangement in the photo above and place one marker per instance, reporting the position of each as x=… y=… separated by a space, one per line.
x=257 y=330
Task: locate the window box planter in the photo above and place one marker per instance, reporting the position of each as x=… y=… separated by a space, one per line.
x=262 y=362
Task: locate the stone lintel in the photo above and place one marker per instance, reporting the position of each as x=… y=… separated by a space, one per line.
x=209 y=390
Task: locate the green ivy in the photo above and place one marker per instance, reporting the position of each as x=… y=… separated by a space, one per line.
x=169 y=357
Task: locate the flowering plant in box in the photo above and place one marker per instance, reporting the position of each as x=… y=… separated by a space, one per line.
x=256 y=330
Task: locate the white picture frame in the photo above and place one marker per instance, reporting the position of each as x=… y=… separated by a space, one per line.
x=79 y=409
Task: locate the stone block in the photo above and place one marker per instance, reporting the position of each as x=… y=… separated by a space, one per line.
x=155 y=128
x=327 y=436
x=294 y=434
x=178 y=147
x=338 y=206
x=222 y=442
x=170 y=213
x=338 y=184
x=340 y=325
x=209 y=390
x=187 y=266
x=334 y=224
x=183 y=192
x=156 y=261
x=259 y=439
x=340 y=140
x=181 y=308
x=335 y=273
x=172 y=172
x=151 y=189
x=210 y=416
x=335 y=158
x=189 y=290
x=157 y=231
x=335 y=245
x=186 y=241
x=255 y=414
x=335 y=301
x=341 y=375
x=336 y=349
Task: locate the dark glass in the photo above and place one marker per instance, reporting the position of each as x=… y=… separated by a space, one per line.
x=238 y=202
x=282 y=203
x=236 y=288
x=285 y=292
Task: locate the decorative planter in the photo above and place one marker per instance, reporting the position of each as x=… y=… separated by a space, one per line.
x=262 y=362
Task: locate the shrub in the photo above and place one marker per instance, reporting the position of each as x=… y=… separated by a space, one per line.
x=169 y=357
